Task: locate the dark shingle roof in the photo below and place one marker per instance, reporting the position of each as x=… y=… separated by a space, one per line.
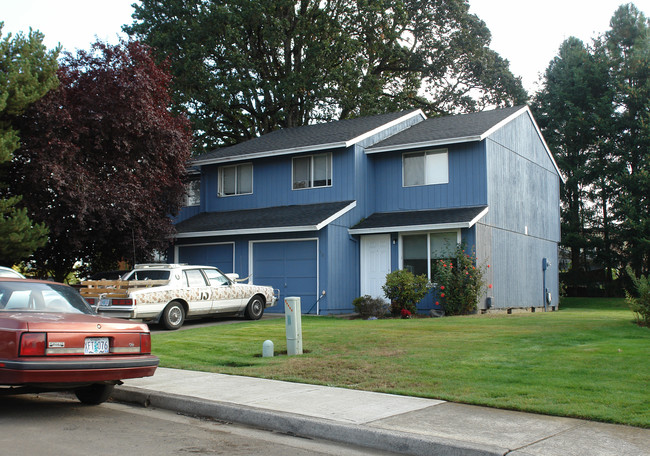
x=446 y=129
x=309 y=136
x=269 y=219
x=393 y=221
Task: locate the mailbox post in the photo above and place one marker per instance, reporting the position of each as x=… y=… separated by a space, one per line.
x=292 y=318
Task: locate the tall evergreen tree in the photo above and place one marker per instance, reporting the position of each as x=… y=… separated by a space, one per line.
x=627 y=47
x=570 y=108
x=27 y=73
x=243 y=68
x=594 y=110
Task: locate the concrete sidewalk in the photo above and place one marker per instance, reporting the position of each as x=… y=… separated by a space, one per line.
x=398 y=424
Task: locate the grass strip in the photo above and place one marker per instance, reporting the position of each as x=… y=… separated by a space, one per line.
x=587 y=360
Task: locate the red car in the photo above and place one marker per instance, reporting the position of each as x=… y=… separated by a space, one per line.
x=51 y=339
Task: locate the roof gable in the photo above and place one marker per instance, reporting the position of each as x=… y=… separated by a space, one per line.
x=441 y=131
x=308 y=138
x=449 y=129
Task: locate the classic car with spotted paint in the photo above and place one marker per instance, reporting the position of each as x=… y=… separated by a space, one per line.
x=170 y=293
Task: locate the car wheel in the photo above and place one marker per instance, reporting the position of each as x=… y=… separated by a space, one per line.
x=174 y=315
x=94 y=394
x=255 y=308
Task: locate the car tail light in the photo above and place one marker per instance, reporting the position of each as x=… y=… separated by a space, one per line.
x=122 y=302
x=32 y=344
x=145 y=343
x=91 y=301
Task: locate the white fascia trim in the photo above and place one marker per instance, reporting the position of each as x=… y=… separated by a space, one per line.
x=436 y=143
x=386 y=126
x=333 y=217
x=403 y=229
x=526 y=110
x=432 y=227
x=293 y=150
x=311 y=148
x=478 y=217
x=505 y=121
x=548 y=149
x=460 y=139
x=279 y=229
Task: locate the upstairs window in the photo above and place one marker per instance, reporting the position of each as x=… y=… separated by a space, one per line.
x=426 y=168
x=236 y=180
x=193 y=191
x=312 y=171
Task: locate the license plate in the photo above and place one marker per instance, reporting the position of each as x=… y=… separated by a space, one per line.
x=96 y=346
x=104 y=302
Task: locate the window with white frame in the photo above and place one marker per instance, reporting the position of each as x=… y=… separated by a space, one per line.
x=193 y=191
x=425 y=168
x=421 y=251
x=312 y=171
x=236 y=180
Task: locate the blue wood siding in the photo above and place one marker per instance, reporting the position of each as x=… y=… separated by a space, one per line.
x=342 y=281
x=523 y=223
x=272 y=184
x=467 y=182
x=219 y=255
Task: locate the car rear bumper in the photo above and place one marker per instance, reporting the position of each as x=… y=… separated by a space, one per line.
x=69 y=370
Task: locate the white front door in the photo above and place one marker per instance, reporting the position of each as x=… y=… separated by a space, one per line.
x=375 y=264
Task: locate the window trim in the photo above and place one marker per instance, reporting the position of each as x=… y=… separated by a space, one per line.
x=444 y=151
x=428 y=234
x=220 y=192
x=329 y=162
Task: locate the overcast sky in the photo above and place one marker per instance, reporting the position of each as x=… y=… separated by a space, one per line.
x=527 y=33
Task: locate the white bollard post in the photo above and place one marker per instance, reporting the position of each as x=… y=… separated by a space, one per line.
x=267 y=349
x=292 y=318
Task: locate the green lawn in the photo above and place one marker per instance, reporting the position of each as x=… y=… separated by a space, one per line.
x=588 y=360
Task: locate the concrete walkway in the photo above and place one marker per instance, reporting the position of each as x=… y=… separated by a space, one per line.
x=399 y=424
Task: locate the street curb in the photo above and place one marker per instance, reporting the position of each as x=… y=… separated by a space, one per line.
x=304 y=426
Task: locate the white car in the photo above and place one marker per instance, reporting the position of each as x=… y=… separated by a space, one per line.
x=8 y=272
x=170 y=293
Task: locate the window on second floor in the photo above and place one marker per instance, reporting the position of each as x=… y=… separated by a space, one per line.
x=193 y=191
x=236 y=180
x=312 y=171
x=425 y=168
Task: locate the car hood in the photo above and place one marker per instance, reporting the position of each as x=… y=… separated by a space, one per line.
x=41 y=321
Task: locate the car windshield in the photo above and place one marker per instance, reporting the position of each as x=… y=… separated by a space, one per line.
x=146 y=274
x=23 y=296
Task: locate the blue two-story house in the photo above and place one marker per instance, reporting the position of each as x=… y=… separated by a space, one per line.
x=325 y=211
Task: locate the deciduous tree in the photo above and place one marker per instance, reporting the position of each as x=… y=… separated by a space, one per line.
x=103 y=159
x=247 y=67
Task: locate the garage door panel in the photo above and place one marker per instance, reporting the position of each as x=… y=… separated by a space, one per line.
x=289 y=266
x=302 y=268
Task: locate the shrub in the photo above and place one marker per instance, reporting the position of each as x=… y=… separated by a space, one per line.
x=640 y=304
x=368 y=307
x=459 y=282
x=405 y=290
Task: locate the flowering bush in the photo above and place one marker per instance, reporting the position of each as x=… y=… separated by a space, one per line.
x=405 y=313
x=459 y=282
x=405 y=290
